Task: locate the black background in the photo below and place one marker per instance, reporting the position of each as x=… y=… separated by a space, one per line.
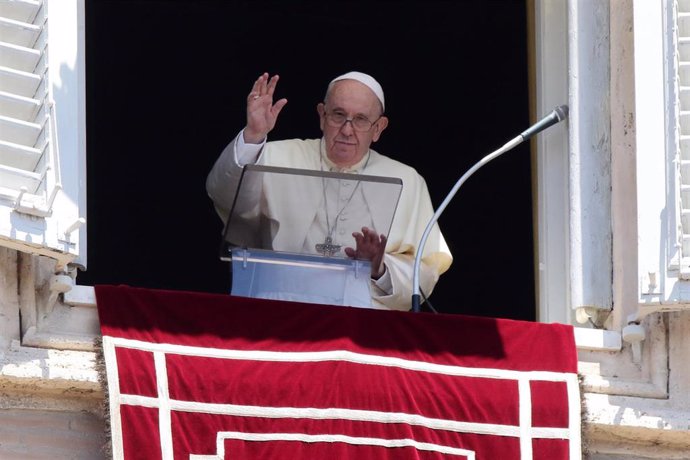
x=166 y=89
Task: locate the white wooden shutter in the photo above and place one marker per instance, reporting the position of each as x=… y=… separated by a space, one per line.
x=42 y=125
x=24 y=144
x=681 y=130
x=662 y=117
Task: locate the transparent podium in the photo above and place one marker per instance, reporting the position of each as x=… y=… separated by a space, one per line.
x=288 y=229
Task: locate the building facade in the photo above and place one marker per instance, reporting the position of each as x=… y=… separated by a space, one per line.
x=611 y=194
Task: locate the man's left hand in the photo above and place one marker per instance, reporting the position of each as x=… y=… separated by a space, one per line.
x=369 y=246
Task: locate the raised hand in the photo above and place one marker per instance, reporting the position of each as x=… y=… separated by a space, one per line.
x=369 y=246
x=262 y=113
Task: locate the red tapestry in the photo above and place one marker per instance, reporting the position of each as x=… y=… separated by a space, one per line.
x=208 y=376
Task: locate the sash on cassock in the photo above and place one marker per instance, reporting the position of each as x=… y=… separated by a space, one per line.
x=207 y=376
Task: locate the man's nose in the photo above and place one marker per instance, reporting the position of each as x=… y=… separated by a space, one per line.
x=347 y=128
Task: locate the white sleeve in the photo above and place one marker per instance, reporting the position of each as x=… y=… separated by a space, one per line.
x=384 y=285
x=247 y=153
x=222 y=181
x=399 y=268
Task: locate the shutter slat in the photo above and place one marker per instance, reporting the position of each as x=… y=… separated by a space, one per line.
x=13 y=178
x=18 y=33
x=19 y=156
x=18 y=82
x=683 y=6
x=19 y=107
x=19 y=57
x=18 y=131
x=20 y=10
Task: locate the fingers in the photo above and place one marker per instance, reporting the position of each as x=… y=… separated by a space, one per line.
x=278 y=106
x=368 y=244
x=271 y=86
x=262 y=113
x=260 y=82
x=371 y=237
x=263 y=86
x=261 y=96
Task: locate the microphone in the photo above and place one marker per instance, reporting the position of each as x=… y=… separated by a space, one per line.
x=558 y=114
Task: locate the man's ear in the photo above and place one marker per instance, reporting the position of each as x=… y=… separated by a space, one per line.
x=321 y=109
x=379 y=126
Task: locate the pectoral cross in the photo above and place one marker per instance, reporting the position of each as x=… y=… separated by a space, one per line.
x=327 y=248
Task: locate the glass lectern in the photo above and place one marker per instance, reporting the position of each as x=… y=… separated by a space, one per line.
x=288 y=229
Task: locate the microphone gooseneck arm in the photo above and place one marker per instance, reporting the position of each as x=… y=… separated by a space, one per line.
x=558 y=114
x=416 y=297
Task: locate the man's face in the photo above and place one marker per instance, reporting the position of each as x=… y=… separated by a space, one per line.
x=346 y=144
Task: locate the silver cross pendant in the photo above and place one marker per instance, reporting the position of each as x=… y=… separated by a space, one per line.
x=327 y=248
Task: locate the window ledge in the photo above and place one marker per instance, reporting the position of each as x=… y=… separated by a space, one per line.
x=585 y=338
x=597 y=339
x=49 y=370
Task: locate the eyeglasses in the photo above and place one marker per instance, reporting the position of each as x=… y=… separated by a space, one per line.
x=359 y=123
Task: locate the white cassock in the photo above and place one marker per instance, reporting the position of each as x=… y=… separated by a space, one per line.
x=350 y=203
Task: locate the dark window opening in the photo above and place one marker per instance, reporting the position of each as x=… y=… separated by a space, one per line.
x=166 y=88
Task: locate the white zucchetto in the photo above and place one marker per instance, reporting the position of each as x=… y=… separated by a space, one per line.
x=365 y=79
